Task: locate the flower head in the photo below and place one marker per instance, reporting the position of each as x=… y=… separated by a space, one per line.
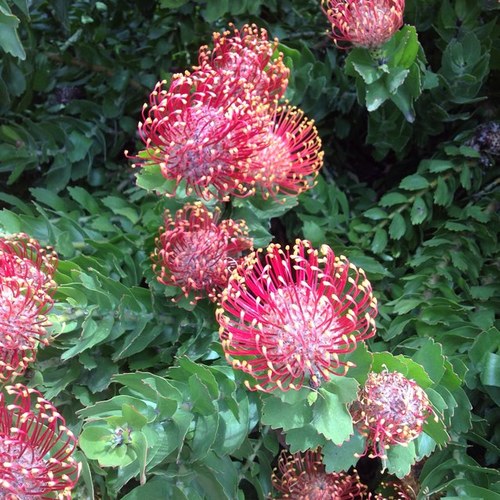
x=23 y=259
x=390 y=410
x=291 y=157
x=303 y=477
x=251 y=56
x=196 y=252
x=364 y=23
x=35 y=447
x=395 y=490
x=203 y=134
x=287 y=316
x=26 y=289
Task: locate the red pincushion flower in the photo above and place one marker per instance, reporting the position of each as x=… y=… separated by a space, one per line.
x=26 y=288
x=364 y=23
x=303 y=477
x=390 y=410
x=202 y=133
x=35 y=447
x=252 y=57
x=22 y=258
x=291 y=157
x=287 y=316
x=196 y=252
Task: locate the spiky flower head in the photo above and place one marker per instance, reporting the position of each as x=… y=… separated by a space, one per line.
x=303 y=477
x=287 y=315
x=395 y=490
x=36 y=447
x=196 y=251
x=390 y=409
x=363 y=23
x=201 y=133
x=251 y=56
x=26 y=289
x=23 y=259
x=291 y=157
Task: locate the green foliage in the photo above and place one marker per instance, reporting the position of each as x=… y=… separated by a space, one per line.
x=409 y=192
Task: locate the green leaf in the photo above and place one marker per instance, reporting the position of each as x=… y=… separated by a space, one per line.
x=400 y=459
x=9 y=39
x=93 y=333
x=139 y=444
x=376 y=95
x=279 y=414
x=375 y=214
x=172 y=4
x=157 y=487
x=397 y=227
x=313 y=232
x=406 y=366
x=407 y=46
x=490 y=374
x=419 y=211
x=430 y=356
x=390 y=199
x=150 y=178
x=134 y=418
x=395 y=78
x=332 y=401
x=106 y=445
x=304 y=438
x=361 y=358
x=414 y=182
x=341 y=458
x=215 y=10
x=436 y=166
x=442 y=196
x=380 y=240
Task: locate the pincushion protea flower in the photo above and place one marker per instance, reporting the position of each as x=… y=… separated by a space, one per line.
x=303 y=477
x=395 y=490
x=364 y=23
x=251 y=56
x=291 y=157
x=202 y=133
x=288 y=315
x=22 y=258
x=26 y=289
x=390 y=410
x=195 y=251
x=35 y=447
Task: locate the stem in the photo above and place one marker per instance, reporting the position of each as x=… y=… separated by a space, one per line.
x=256 y=448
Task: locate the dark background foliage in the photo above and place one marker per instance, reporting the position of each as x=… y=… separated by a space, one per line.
x=412 y=197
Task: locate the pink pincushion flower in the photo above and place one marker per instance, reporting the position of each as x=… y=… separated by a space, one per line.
x=36 y=447
x=390 y=410
x=251 y=56
x=22 y=258
x=287 y=316
x=364 y=23
x=291 y=157
x=26 y=289
x=303 y=477
x=202 y=134
x=195 y=251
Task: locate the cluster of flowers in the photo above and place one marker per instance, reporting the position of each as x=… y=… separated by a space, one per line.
x=286 y=315
x=36 y=447
x=215 y=129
